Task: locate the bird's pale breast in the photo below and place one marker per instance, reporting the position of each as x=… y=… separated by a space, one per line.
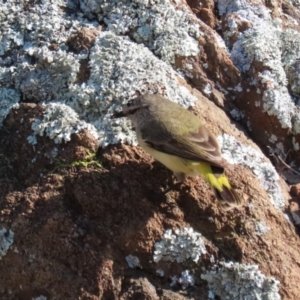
x=174 y=163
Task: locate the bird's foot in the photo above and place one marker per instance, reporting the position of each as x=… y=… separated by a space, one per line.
x=180 y=177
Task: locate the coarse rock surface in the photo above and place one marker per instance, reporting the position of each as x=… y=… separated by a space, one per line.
x=80 y=212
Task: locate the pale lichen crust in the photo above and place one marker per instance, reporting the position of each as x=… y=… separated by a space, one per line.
x=237 y=153
x=261 y=227
x=275 y=49
x=185 y=280
x=132 y=261
x=6 y=240
x=58 y=123
x=9 y=98
x=165 y=29
x=237 y=281
x=179 y=246
x=119 y=69
x=42 y=68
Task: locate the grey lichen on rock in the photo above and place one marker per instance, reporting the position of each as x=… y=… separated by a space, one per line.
x=179 y=246
x=164 y=29
x=58 y=123
x=237 y=153
x=236 y=281
x=9 y=98
x=83 y=221
x=6 y=240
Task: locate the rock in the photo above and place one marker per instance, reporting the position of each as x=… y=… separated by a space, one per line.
x=71 y=212
x=139 y=288
x=81 y=222
x=294 y=210
x=295 y=190
x=83 y=39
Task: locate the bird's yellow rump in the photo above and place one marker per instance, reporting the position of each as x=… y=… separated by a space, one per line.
x=176 y=138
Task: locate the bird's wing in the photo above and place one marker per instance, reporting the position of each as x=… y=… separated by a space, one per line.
x=201 y=146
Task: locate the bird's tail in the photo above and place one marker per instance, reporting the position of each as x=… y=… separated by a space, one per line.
x=221 y=185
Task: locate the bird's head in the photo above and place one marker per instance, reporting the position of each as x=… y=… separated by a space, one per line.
x=131 y=108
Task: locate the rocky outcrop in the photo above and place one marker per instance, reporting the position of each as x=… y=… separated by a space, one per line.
x=84 y=212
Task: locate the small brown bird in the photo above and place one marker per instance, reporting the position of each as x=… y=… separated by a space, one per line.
x=176 y=138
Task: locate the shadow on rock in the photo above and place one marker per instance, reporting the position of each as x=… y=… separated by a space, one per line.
x=119 y=202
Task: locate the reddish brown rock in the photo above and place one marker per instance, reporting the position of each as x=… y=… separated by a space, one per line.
x=75 y=222
x=294 y=209
x=295 y=191
x=83 y=39
x=74 y=226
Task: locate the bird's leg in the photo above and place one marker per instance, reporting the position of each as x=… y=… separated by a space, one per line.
x=177 y=185
x=180 y=180
x=180 y=176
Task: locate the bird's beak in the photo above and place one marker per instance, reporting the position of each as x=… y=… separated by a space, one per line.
x=119 y=114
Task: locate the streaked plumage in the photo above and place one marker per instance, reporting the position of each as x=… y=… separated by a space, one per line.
x=175 y=137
